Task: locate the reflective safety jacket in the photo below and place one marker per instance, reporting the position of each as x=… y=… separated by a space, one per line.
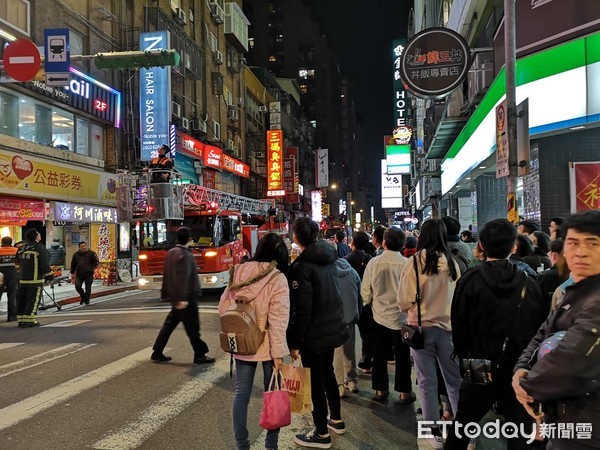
x=34 y=263
x=8 y=256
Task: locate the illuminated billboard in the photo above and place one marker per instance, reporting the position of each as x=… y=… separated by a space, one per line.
x=275 y=160
x=398 y=158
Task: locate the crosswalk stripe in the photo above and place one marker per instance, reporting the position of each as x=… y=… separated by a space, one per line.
x=65 y=323
x=36 y=360
x=133 y=434
x=10 y=345
x=119 y=312
x=25 y=409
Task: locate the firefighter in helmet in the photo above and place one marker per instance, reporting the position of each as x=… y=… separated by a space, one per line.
x=162 y=165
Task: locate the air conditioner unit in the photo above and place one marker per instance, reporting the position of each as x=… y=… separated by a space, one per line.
x=481 y=75
x=263 y=108
x=240 y=101
x=176 y=109
x=218 y=58
x=217 y=13
x=229 y=144
x=235 y=150
x=185 y=123
x=187 y=61
x=233 y=114
x=260 y=155
x=198 y=125
x=180 y=16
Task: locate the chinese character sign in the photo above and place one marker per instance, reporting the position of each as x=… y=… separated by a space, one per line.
x=585 y=186
x=103 y=239
x=400 y=96
x=322 y=168
x=73 y=212
x=274 y=160
x=316 y=201
x=435 y=62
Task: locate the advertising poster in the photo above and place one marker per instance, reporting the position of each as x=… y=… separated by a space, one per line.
x=502 y=167
x=585 y=186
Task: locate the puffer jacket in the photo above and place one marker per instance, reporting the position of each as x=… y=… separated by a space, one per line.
x=269 y=290
x=350 y=290
x=317 y=313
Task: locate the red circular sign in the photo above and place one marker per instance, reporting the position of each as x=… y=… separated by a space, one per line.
x=21 y=60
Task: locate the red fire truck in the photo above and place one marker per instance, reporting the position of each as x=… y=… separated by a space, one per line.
x=225 y=227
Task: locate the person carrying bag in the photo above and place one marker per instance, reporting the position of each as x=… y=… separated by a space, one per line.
x=275 y=412
x=297 y=383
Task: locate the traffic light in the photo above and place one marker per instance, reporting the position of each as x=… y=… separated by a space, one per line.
x=137 y=59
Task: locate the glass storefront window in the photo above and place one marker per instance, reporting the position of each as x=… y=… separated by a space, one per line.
x=35 y=121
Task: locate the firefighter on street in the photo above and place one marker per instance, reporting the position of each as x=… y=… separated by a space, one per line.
x=34 y=266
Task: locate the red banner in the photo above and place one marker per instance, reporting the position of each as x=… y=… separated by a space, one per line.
x=13 y=210
x=208 y=179
x=234 y=166
x=188 y=145
x=291 y=180
x=212 y=156
x=587 y=186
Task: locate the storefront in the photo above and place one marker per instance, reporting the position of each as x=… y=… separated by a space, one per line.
x=561 y=87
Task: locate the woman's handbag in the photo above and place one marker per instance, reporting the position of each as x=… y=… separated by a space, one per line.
x=413 y=335
x=276 y=411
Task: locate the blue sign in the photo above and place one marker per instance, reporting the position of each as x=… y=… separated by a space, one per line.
x=155 y=97
x=185 y=165
x=57 y=57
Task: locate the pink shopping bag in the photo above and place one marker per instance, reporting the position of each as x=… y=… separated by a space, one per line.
x=276 y=411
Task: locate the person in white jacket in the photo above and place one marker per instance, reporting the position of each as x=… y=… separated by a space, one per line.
x=262 y=279
x=379 y=287
x=438 y=273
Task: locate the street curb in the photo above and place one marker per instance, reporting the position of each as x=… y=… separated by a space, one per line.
x=77 y=299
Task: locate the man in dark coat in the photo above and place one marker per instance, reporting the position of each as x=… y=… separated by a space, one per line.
x=566 y=378
x=83 y=265
x=8 y=268
x=181 y=288
x=34 y=270
x=317 y=327
x=496 y=310
x=342 y=248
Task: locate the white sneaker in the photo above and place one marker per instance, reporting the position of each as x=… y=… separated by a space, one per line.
x=436 y=441
x=352 y=386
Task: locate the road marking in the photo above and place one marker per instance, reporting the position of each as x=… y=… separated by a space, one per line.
x=133 y=434
x=100 y=312
x=10 y=345
x=36 y=360
x=25 y=409
x=21 y=60
x=65 y=323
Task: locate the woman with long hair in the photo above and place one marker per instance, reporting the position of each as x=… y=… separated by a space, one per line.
x=436 y=271
x=262 y=280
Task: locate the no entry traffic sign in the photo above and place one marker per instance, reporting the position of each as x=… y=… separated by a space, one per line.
x=21 y=60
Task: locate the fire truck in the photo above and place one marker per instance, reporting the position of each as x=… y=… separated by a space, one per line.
x=225 y=227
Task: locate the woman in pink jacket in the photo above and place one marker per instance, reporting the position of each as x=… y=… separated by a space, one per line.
x=263 y=279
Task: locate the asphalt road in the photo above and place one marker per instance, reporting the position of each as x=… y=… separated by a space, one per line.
x=84 y=380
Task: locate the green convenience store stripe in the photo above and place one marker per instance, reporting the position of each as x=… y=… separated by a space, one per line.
x=578 y=53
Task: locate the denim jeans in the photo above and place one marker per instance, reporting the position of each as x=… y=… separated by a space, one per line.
x=438 y=345
x=244 y=379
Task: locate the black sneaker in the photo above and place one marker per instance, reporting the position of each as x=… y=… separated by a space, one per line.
x=29 y=324
x=313 y=440
x=336 y=427
x=203 y=360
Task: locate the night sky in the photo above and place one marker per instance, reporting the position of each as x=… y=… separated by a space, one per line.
x=361 y=33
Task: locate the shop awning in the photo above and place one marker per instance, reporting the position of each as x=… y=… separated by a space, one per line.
x=446 y=133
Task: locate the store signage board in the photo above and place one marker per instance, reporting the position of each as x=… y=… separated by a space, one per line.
x=401 y=101
x=435 y=62
x=275 y=160
x=75 y=212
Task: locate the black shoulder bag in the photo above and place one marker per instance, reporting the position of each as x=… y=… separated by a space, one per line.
x=479 y=371
x=413 y=335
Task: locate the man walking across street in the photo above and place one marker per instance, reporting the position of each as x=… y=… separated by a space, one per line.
x=181 y=288
x=34 y=268
x=8 y=257
x=83 y=265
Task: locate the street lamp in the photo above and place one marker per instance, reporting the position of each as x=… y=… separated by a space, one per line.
x=334 y=186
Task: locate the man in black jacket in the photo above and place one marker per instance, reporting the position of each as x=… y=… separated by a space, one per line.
x=316 y=327
x=34 y=269
x=565 y=380
x=83 y=265
x=181 y=288
x=496 y=310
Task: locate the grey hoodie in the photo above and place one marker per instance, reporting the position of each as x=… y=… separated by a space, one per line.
x=349 y=282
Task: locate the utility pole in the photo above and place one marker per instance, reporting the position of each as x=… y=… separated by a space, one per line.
x=510 y=56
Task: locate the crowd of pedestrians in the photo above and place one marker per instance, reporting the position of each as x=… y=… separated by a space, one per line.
x=483 y=309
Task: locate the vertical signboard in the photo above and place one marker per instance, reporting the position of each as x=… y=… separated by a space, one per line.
x=275 y=163
x=400 y=97
x=322 y=168
x=155 y=97
x=292 y=179
x=57 y=56
x=502 y=167
x=316 y=201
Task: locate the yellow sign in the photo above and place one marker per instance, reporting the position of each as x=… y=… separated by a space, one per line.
x=37 y=177
x=326 y=209
x=103 y=240
x=511 y=203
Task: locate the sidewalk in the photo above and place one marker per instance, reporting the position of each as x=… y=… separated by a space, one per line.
x=66 y=294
